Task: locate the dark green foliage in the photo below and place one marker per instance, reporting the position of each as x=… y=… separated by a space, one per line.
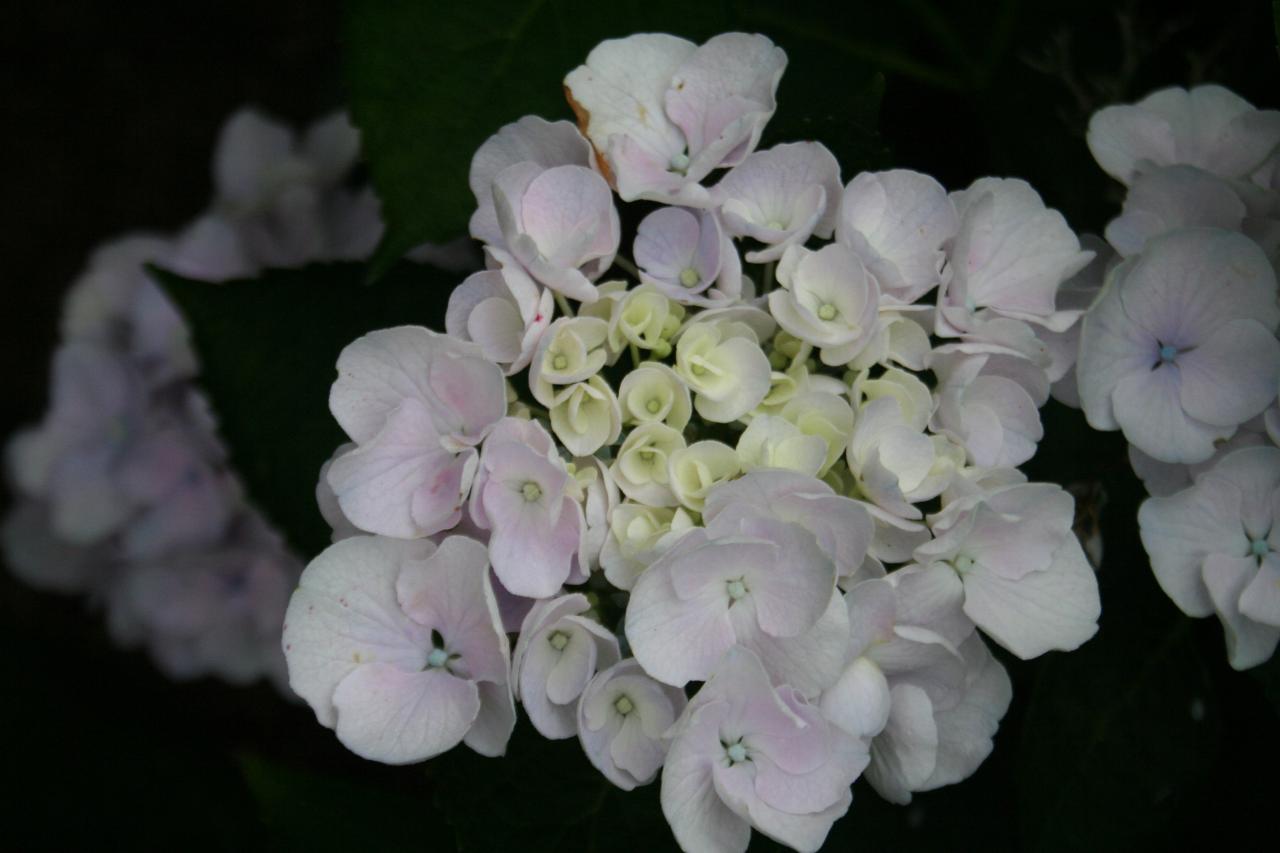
x=267 y=349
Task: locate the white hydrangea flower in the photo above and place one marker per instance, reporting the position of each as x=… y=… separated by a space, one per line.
x=638 y=535
x=1027 y=583
x=571 y=350
x=1009 y=257
x=641 y=467
x=828 y=300
x=663 y=113
x=921 y=685
x=645 y=318
x=585 y=416
x=1215 y=548
x=504 y=311
x=1207 y=127
x=725 y=368
x=697 y=469
x=559 y=223
x=781 y=197
x=622 y=723
x=897 y=222
x=559 y=650
x=654 y=393
x=687 y=255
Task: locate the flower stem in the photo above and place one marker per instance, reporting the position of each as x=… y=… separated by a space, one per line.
x=627 y=266
x=565 y=309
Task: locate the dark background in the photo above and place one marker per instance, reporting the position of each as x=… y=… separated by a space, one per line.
x=111 y=111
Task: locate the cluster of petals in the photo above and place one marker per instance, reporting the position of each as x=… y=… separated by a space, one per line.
x=124 y=490
x=736 y=458
x=1178 y=347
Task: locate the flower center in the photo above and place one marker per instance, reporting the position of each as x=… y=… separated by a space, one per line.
x=963 y=563
x=689 y=277
x=736 y=589
x=653 y=406
x=531 y=491
x=736 y=752
x=437 y=658
x=678 y=163
x=558 y=640
x=560 y=361
x=1259 y=547
x=827 y=311
x=1168 y=352
x=623 y=705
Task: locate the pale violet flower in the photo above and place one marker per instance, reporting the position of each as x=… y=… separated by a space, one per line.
x=921 y=685
x=895 y=463
x=397 y=647
x=416 y=403
x=281 y=193
x=1180 y=348
x=1076 y=293
x=95 y=429
x=524 y=495
x=1008 y=259
x=1027 y=582
x=622 y=720
x=599 y=496
x=327 y=499
x=781 y=197
x=663 y=113
x=185 y=499
x=897 y=222
x=1164 y=478
x=502 y=310
x=1215 y=548
x=559 y=223
x=1207 y=127
x=746 y=754
x=115 y=305
x=560 y=648
x=989 y=404
x=827 y=299
x=686 y=255
x=745 y=579
x=529 y=140
x=638 y=535
x=841 y=526
x=213 y=610
x=1173 y=197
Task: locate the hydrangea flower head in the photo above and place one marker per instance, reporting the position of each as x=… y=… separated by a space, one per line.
x=1180 y=348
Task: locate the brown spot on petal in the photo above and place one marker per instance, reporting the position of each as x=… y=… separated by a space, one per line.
x=584 y=121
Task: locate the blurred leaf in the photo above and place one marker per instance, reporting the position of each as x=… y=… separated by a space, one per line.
x=1117 y=735
x=306 y=810
x=267 y=351
x=427 y=89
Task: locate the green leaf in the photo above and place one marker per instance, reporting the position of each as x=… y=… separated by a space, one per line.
x=427 y=89
x=268 y=348
x=313 y=811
